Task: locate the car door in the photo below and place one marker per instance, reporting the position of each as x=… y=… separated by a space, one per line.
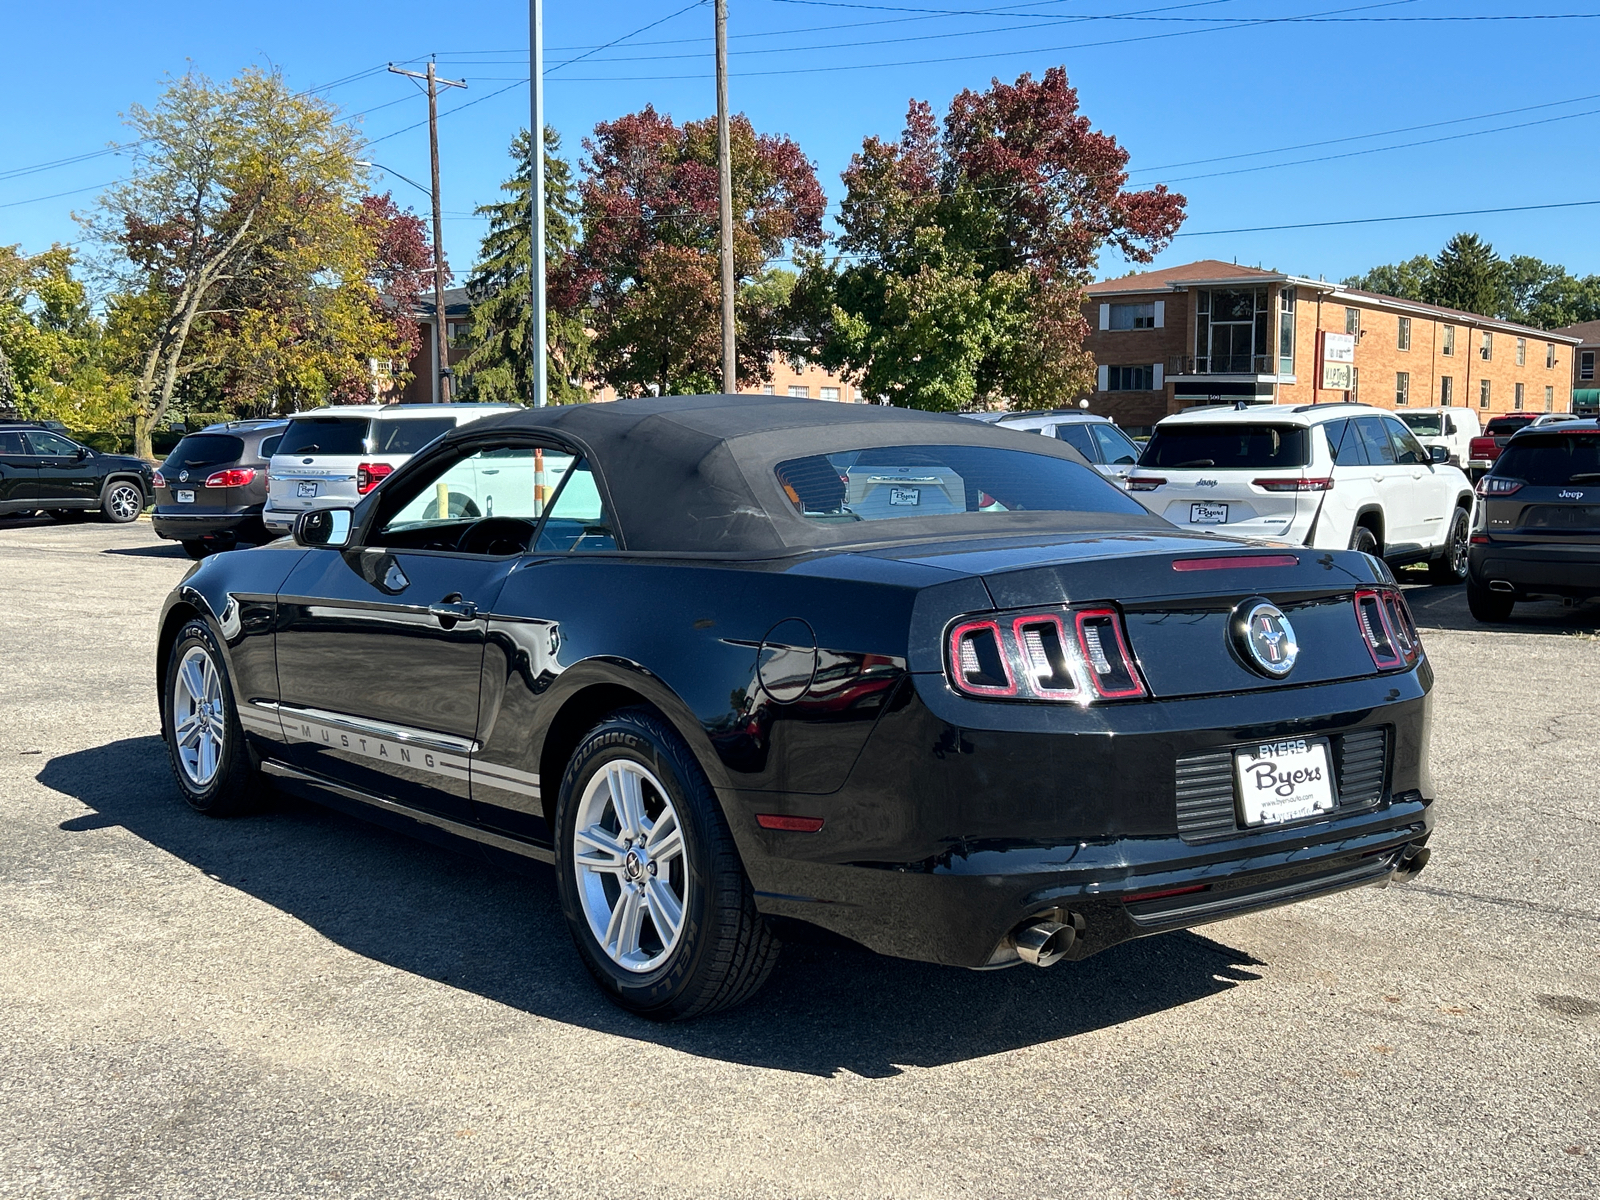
x=1430 y=496
x=380 y=645
x=19 y=472
x=67 y=471
x=1118 y=453
x=1391 y=483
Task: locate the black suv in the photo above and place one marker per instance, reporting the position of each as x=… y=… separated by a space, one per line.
x=45 y=471
x=1537 y=528
x=210 y=491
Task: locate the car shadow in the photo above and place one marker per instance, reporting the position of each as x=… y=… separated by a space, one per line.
x=459 y=920
x=1446 y=608
x=160 y=550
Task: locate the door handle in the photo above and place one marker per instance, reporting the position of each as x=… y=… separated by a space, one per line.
x=452 y=609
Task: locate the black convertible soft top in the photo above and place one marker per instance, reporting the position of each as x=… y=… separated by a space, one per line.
x=696 y=474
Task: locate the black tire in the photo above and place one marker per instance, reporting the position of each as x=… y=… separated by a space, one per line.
x=725 y=950
x=121 y=501
x=1450 y=568
x=196 y=549
x=236 y=785
x=1493 y=607
x=462 y=508
x=1364 y=540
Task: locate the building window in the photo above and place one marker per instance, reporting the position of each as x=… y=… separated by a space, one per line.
x=1131 y=379
x=1549 y=399
x=1403 y=335
x=1522 y=352
x=1486 y=347
x=1483 y=393
x=768 y=390
x=856 y=392
x=1352 y=320
x=1447 y=387
x=1355 y=385
x=1518 y=405
x=1133 y=316
x=1449 y=346
x=829 y=393
x=1402 y=388
x=1286 y=300
x=799 y=391
x=1586 y=365
x=1549 y=355
x=1230 y=331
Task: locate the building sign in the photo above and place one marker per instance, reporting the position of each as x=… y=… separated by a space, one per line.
x=1338 y=348
x=1336 y=376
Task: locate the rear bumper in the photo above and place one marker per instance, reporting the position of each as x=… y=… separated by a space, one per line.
x=190 y=526
x=1545 y=568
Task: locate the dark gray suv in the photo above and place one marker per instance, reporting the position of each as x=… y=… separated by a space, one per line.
x=210 y=491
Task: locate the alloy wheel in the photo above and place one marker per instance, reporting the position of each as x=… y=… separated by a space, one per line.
x=125 y=502
x=199 y=717
x=632 y=876
x=1460 y=543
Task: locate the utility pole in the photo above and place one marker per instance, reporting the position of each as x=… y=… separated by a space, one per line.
x=730 y=362
x=441 y=339
x=536 y=367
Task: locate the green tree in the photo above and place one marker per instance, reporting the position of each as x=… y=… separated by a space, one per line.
x=1467 y=275
x=496 y=370
x=966 y=252
x=1408 y=280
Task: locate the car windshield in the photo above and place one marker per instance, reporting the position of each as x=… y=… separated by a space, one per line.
x=1552 y=459
x=408 y=436
x=325 y=435
x=1505 y=426
x=927 y=481
x=1226 y=445
x=204 y=449
x=1424 y=424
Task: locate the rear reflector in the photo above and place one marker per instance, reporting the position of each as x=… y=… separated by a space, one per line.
x=789 y=824
x=1294 y=485
x=237 y=477
x=1181 y=891
x=1235 y=562
x=370 y=475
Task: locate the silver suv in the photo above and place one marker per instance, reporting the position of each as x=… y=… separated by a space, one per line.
x=331 y=457
x=1109 y=450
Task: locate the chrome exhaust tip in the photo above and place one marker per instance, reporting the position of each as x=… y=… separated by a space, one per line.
x=1044 y=943
x=1500 y=585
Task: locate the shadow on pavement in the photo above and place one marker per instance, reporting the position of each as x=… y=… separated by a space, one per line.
x=158 y=550
x=458 y=920
x=1446 y=608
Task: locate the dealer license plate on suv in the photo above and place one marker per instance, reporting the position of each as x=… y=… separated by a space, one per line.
x=185 y=497
x=306 y=489
x=1208 y=514
x=1283 y=781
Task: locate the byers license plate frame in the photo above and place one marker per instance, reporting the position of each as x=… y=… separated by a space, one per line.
x=1207 y=512
x=184 y=497
x=1285 y=781
x=305 y=490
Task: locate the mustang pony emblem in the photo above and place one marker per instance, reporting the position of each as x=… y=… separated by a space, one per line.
x=1264 y=638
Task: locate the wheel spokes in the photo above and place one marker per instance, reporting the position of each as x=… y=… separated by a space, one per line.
x=599 y=850
x=622 y=934
x=665 y=840
x=665 y=910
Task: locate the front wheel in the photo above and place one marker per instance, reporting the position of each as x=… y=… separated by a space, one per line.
x=205 y=742
x=122 y=502
x=1450 y=567
x=1489 y=606
x=651 y=885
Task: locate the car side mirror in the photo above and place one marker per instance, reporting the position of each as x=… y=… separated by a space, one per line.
x=1438 y=454
x=325 y=527
x=83 y=452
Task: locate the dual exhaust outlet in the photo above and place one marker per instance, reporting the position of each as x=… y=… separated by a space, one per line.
x=1047 y=939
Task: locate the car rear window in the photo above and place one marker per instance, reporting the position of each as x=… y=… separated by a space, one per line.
x=888 y=482
x=1221 y=446
x=204 y=449
x=407 y=437
x=1424 y=424
x=1501 y=426
x=1552 y=459
x=325 y=435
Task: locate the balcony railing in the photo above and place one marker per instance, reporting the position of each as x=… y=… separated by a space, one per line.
x=1220 y=364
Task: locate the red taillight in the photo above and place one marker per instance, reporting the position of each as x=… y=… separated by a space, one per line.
x=158 y=479
x=1480 y=539
x=370 y=475
x=1387 y=628
x=789 y=824
x=1494 y=485
x=234 y=477
x=1294 y=485
x=1144 y=483
x=1059 y=655
x=1229 y=562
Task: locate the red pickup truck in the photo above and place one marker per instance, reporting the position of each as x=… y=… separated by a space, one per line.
x=1484 y=451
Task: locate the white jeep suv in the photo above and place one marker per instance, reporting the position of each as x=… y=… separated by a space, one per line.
x=331 y=457
x=1332 y=476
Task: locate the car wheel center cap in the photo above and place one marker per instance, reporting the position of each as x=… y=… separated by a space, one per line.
x=633 y=865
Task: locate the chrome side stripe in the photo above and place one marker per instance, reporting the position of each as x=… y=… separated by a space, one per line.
x=294 y=716
x=509 y=779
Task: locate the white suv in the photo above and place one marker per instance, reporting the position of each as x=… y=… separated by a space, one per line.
x=1332 y=476
x=331 y=457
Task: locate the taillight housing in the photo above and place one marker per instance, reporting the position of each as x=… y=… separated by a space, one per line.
x=1386 y=626
x=1294 y=485
x=1144 y=483
x=1061 y=655
x=158 y=480
x=233 y=477
x=370 y=475
x=1494 y=485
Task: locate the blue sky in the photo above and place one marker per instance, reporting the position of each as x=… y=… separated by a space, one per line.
x=1174 y=81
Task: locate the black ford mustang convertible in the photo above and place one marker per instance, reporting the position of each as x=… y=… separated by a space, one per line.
x=732 y=662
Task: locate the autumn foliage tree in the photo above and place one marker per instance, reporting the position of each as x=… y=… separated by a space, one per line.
x=647 y=269
x=966 y=250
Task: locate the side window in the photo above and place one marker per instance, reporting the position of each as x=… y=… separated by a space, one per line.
x=578 y=519
x=515 y=482
x=1374 y=440
x=11 y=443
x=1406 y=447
x=1076 y=435
x=269 y=446
x=1345 y=444
x=1114 y=446
x=45 y=442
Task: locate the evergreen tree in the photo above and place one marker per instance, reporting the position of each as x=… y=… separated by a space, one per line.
x=1467 y=275
x=497 y=368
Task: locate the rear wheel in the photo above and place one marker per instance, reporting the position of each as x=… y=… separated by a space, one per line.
x=121 y=502
x=205 y=742
x=196 y=549
x=651 y=884
x=1450 y=568
x=1364 y=540
x=1487 y=605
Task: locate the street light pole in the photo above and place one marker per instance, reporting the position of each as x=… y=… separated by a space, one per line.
x=537 y=370
x=730 y=362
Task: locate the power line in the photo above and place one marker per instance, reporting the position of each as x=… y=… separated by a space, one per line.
x=1465 y=212
x=57 y=195
x=626 y=36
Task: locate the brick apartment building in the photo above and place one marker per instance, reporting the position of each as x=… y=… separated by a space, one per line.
x=1585 y=369
x=1214 y=333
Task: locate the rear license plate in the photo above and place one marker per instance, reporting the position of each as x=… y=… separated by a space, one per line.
x=1283 y=781
x=1208 y=514
x=306 y=489
x=185 y=497
x=911 y=496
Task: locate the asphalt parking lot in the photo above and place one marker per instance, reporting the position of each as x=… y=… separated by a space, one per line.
x=298 y=1004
